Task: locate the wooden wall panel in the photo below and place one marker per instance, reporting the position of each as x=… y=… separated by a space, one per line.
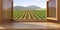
x=58 y=10
x=0 y=10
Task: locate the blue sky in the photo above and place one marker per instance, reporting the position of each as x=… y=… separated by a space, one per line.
x=40 y=3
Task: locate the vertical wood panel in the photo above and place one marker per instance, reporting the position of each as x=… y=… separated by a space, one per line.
x=47 y=11
x=0 y=10
x=12 y=10
x=58 y=10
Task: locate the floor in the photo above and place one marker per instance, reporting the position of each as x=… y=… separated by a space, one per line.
x=30 y=25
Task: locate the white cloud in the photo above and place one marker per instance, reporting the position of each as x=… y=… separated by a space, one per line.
x=37 y=0
x=14 y=4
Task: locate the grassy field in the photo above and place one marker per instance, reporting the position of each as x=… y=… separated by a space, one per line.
x=29 y=14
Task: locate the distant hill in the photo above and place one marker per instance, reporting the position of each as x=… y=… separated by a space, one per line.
x=32 y=7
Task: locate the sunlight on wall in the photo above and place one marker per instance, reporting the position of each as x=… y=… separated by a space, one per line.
x=2 y=28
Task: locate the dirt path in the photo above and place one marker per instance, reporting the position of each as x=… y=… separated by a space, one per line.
x=32 y=15
x=36 y=15
x=25 y=16
x=22 y=15
x=29 y=16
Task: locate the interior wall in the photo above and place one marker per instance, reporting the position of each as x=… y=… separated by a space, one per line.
x=0 y=10
x=58 y=10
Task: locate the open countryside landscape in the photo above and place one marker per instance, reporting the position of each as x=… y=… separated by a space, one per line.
x=29 y=10
x=29 y=13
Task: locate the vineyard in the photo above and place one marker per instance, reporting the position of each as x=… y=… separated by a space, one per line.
x=29 y=14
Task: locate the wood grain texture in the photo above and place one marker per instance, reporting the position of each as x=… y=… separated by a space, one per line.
x=0 y=10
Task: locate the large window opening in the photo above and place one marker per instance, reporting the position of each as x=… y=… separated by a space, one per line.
x=29 y=10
